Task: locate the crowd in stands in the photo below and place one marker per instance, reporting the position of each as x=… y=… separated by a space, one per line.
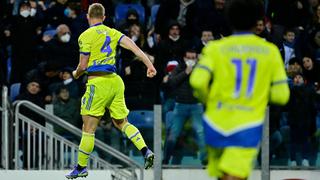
x=39 y=49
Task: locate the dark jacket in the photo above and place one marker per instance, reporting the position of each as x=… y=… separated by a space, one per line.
x=168 y=11
x=301 y=113
x=24 y=39
x=62 y=54
x=209 y=17
x=68 y=111
x=179 y=81
x=36 y=99
x=168 y=50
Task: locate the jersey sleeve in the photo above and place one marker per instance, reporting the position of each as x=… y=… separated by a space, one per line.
x=117 y=35
x=84 y=44
x=279 y=91
x=206 y=58
x=202 y=74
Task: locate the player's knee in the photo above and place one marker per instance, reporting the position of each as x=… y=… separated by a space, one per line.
x=90 y=124
x=119 y=123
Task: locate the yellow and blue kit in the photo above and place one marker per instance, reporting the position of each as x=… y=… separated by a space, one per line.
x=236 y=77
x=99 y=42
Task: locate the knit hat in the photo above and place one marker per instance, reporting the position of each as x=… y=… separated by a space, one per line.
x=171 y=65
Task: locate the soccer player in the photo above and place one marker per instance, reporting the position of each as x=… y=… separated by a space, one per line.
x=104 y=89
x=236 y=77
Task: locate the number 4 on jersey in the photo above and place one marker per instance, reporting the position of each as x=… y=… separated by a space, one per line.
x=106 y=46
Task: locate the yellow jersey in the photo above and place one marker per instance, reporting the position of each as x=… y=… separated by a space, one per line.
x=100 y=42
x=243 y=68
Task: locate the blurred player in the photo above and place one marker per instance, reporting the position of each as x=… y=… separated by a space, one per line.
x=235 y=78
x=104 y=89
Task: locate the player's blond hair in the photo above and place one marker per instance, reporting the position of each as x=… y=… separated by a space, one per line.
x=96 y=10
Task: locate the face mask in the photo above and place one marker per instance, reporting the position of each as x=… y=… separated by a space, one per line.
x=67 y=12
x=174 y=38
x=150 y=41
x=65 y=38
x=67 y=81
x=33 y=12
x=190 y=62
x=25 y=13
x=134 y=38
x=204 y=42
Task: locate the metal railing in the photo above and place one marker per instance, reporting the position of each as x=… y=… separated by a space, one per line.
x=4 y=128
x=41 y=148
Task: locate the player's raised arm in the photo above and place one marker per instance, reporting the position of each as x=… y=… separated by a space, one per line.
x=129 y=44
x=82 y=66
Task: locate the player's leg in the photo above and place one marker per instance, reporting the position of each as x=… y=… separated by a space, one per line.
x=136 y=138
x=214 y=155
x=229 y=177
x=237 y=163
x=119 y=113
x=92 y=108
x=90 y=124
x=86 y=146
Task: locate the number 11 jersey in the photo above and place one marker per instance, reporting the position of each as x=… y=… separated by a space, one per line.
x=244 y=67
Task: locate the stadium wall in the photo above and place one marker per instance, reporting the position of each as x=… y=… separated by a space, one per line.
x=168 y=174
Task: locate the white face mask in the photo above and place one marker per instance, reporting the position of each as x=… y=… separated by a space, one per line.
x=150 y=41
x=174 y=38
x=190 y=62
x=33 y=12
x=65 y=38
x=134 y=38
x=25 y=13
x=67 y=81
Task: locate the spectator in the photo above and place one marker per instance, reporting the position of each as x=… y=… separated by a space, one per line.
x=37 y=10
x=168 y=93
x=311 y=71
x=287 y=47
x=140 y=90
x=32 y=93
x=212 y=16
x=55 y=13
x=23 y=36
x=76 y=20
x=301 y=117
x=287 y=13
x=206 y=36
x=186 y=107
x=262 y=31
x=294 y=68
x=314 y=43
x=181 y=11
x=46 y=74
x=68 y=82
x=170 y=48
x=132 y=17
x=61 y=50
x=315 y=24
x=67 y=108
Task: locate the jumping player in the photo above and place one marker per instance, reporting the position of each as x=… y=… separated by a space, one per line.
x=104 y=89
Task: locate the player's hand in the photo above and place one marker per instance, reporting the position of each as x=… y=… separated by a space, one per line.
x=151 y=72
x=188 y=70
x=74 y=74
